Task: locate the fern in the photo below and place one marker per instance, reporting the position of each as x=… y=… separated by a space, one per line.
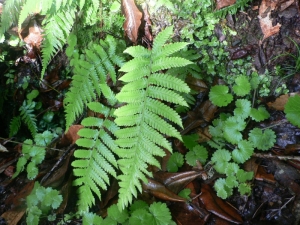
x=144 y=116
x=14 y=126
x=10 y=14
x=57 y=29
x=95 y=159
x=90 y=74
x=27 y=116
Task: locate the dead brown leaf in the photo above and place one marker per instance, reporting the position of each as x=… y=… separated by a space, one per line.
x=280 y=102
x=265 y=18
x=31 y=33
x=71 y=136
x=133 y=19
x=159 y=191
x=217 y=206
x=13 y=216
x=176 y=181
x=223 y=3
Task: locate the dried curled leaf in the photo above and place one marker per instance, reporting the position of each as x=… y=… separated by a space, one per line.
x=133 y=19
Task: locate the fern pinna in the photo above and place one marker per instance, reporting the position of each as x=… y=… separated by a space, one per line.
x=145 y=119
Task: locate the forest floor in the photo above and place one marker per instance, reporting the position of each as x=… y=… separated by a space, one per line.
x=275 y=196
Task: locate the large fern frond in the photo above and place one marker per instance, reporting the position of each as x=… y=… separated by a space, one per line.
x=90 y=75
x=95 y=159
x=146 y=116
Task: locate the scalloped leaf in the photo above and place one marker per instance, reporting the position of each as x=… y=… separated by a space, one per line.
x=259 y=114
x=243 y=152
x=262 y=139
x=174 y=162
x=197 y=153
x=292 y=110
x=219 y=95
x=223 y=191
x=243 y=107
x=232 y=129
x=220 y=159
x=242 y=86
x=243 y=176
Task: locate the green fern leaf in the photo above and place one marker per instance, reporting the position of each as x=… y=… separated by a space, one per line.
x=90 y=77
x=96 y=161
x=14 y=126
x=146 y=112
x=9 y=16
x=28 y=117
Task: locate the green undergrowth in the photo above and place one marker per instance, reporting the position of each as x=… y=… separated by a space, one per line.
x=129 y=100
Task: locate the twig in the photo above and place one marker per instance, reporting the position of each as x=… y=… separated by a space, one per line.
x=280 y=157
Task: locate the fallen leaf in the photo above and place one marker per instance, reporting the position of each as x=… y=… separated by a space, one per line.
x=160 y=191
x=262 y=175
x=148 y=25
x=132 y=19
x=31 y=32
x=217 y=206
x=176 y=181
x=280 y=102
x=186 y=213
x=223 y=3
x=13 y=216
x=265 y=20
x=71 y=136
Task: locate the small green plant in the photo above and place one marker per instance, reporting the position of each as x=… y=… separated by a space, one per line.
x=40 y=203
x=228 y=131
x=140 y=213
x=33 y=152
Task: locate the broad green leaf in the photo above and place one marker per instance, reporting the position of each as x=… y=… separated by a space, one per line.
x=244 y=189
x=185 y=193
x=243 y=152
x=223 y=191
x=292 y=110
x=232 y=129
x=243 y=107
x=141 y=216
x=160 y=212
x=242 y=86
x=259 y=114
x=219 y=95
x=197 y=153
x=175 y=161
x=190 y=141
x=243 y=176
x=231 y=181
x=262 y=139
x=115 y=214
x=220 y=158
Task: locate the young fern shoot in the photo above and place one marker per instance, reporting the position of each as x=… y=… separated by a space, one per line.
x=144 y=118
